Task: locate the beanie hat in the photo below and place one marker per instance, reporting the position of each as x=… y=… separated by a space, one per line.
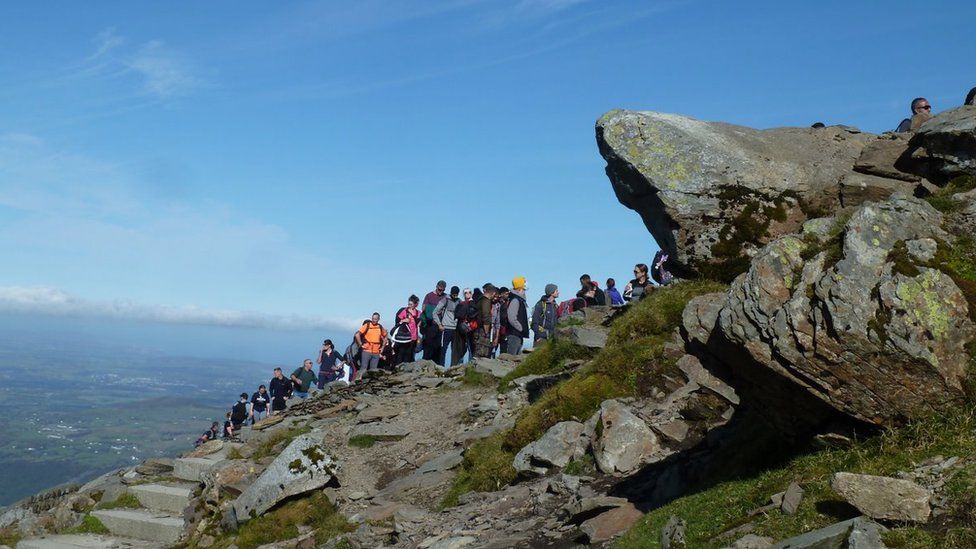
x=551 y=289
x=518 y=283
x=455 y=290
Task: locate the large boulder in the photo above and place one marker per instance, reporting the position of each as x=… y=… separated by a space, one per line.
x=562 y=443
x=867 y=325
x=712 y=194
x=303 y=466
x=884 y=497
x=624 y=442
x=947 y=143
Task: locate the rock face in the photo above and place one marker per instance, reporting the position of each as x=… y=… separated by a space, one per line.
x=712 y=193
x=302 y=467
x=562 y=443
x=947 y=143
x=624 y=441
x=884 y=497
x=863 y=325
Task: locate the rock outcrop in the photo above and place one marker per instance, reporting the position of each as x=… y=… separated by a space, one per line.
x=713 y=194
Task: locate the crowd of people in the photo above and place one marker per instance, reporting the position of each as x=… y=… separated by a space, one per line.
x=448 y=327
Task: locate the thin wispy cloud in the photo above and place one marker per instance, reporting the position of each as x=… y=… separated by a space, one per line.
x=165 y=73
x=47 y=300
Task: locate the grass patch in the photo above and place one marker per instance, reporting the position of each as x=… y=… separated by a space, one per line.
x=942 y=199
x=548 y=357
x=89 y=525
x=9 y=536
x=487 y=466
x=282 y=523
x=125 y=501
x=363 y=441
x=281 y=436
x=716 y=508
x=586 y=465
x=476 y=379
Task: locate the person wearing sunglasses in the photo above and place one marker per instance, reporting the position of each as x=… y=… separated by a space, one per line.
x=921 y=111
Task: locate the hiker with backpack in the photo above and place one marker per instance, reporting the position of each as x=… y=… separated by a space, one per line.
x=544 y=314
x=466 y=314
x=372 y=338
x=239 y=412
x=640 y=286
x=482 y=335
x=516 y=321
x=406 y=332
x=431 y=331
x=446 y=323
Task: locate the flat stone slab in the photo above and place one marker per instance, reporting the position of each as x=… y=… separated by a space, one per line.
x=162 y=498
x=86 y=541
x=377 y=413
x=142 y=524
x=379 y=431
x=192 y=469
x=492 y=366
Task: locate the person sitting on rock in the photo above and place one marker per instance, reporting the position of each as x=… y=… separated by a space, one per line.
x=598 y=297
x=970 y=97
x=302 y=379
x=259 y=404
x=330 y=364
x=209 y=434
x=228 y=427
x=280 y=390
x=239 y=413
x=921 y=111
x=544 y=314
x=640 y=286
x=616 y=299
x=588 y=294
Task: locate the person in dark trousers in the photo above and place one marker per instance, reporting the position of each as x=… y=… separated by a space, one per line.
x=544 y=314
x=598 y=297
x=302 y=379
x=465 y=313
x=616 y=299
x=640 y=286
x=446 y=322
x=209 y=434
x=260 y=402
x=498 y=306
x=330 y=364
x=406 y=333
x=431 y=331
x=238 y=414
x=921 y=111
x=280 y=390
x=515 y=317
x=482 y=335
x=373 y=340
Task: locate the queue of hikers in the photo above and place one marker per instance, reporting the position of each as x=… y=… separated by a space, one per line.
x=447 y=327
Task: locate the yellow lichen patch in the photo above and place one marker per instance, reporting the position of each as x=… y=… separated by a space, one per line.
x=929 y=308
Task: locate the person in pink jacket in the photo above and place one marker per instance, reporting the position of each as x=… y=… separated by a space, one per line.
x=406 y=333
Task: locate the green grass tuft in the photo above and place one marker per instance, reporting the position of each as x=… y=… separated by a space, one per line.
x=548 y=357
x=9 y=536
x=942 y=199
x=125 y=501
x=282 y=523
x=282 y=437
x=89 y=525
x=487 y=466
x=363 y=441
x=473 y=378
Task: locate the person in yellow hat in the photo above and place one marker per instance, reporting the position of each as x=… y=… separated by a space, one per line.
x=516 y=319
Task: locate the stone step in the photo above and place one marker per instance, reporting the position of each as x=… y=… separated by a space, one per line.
x=87 y=541
x=162 y=498
x=142 y=524
x=192 y=468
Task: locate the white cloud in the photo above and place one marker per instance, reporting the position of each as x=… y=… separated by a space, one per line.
x=55 y=301
x=105 y=42
x=165 y=73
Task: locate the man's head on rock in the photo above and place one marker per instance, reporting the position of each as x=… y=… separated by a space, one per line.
x=920 y=105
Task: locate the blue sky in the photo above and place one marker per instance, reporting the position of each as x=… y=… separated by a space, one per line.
x=301 y=164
